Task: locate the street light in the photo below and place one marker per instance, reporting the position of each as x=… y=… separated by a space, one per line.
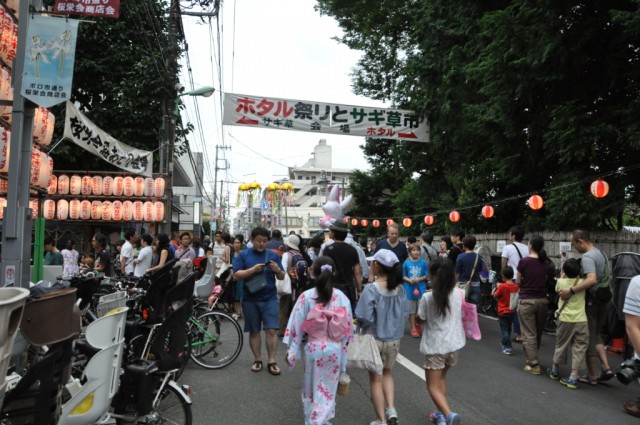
x=205 y=91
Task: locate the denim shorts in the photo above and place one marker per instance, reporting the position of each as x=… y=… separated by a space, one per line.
x=260 y=315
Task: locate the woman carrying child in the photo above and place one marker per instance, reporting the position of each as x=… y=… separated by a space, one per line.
x=440 y=312
x=324 y=314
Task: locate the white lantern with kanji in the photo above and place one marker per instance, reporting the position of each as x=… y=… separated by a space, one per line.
x=116 y=208
x=36 y=163
x=107 y=186
x=118 y=186
x=4 y=186
x=6 y=92
x=41 y=167
x=148 y=211
x=158 y=187
x=138 y=186
x=74 y=209
x=43 y=121
x=63 y=184
x=127 y=211
x=62 y=209
x=96 y=185
x=96 y=210
x=3 y=203
x=49 y=209
x=9 y=36
x=138 y=211
x=85 y=210
x=33 y=204
x=75 y=185
x=107 y=211
x=128 y=186
x=158 y=211
x=5 y=141
x=86 y=186
x=53 y=185
x=148 y=187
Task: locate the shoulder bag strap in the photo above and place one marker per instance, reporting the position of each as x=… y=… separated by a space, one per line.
x=516 y=247
x=473 y=270
x=567 y=301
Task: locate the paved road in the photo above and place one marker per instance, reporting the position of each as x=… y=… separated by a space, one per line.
x=486 y=387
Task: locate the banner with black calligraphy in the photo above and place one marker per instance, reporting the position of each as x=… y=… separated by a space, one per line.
x=84 y=133
x=49 y=59
x=322 y=117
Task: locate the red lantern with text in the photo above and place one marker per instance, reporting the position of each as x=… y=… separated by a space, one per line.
x=107 y=185
x=376 y=223
x=345 y=220
x=429 y=220
x=390 y=222
x=536 y=202
x=487 y=211
x=74 y=209
x=117 y=210
x=454 y=216
x=158 y=211
x=364 y=223
x=407 y=222
x=354 y=221
x=127 y=211
x=97 y=185
x=599 y=188
x=85 y=210
x=49 y=209
x=148 y=187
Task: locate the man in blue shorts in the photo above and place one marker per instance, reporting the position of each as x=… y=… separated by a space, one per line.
x=258 y=268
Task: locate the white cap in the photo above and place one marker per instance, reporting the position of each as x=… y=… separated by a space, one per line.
x=385 y=257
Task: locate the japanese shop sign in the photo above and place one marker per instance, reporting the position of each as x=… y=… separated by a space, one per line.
x=302 y=115
x=87 y=135
x=48 y=64
x=101 y=8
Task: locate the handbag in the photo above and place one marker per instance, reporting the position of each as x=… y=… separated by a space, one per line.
x=514 y=300
x=256 y=283
x=363 y=353
x=470 y=321
x=283 y=286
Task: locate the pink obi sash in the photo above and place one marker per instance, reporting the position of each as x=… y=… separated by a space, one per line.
x=323 y=325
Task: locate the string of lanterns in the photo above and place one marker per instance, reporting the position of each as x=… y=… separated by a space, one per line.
x=599 y=189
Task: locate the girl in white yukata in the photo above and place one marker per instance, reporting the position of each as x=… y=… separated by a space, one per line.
x=324 y=314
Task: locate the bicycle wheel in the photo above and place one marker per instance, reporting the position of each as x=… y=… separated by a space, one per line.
x=171 y=408
x=216 y=340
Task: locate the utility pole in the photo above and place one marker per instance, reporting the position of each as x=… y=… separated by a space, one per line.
x=215 y=185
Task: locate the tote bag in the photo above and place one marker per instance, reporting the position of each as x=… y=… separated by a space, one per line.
x=514 y=300
x=470 y=320
x=363 y=353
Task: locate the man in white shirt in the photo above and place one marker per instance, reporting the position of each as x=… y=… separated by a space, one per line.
x=126 y=253
x=516 y=250
x=143 y=262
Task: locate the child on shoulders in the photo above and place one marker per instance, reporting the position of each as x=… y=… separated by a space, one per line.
x=506 y=316
x=572 y=331
x=415 y=274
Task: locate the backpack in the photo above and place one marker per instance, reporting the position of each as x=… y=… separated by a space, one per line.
x=298 y=272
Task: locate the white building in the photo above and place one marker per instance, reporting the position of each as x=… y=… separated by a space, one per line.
x=311 y=183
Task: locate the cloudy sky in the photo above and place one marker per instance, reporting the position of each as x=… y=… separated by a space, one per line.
x=278 y=48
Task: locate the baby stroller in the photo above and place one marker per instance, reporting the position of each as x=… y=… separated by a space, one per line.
x=624 y=266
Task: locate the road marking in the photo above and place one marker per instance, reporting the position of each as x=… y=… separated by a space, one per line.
x=486 y=316
x=412 y=367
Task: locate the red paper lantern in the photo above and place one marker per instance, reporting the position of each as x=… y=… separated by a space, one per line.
x=429 y=220
x=376 y=223
x=345 y=220
x=390 y=222
x=354 y=221
x=407 y=222
x=599 y=188
x=487 y=211
x=454 y=216
x=536 y=202
x=364 y=223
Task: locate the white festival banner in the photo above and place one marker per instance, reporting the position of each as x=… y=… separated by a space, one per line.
x=84 y=133
x=321 y=117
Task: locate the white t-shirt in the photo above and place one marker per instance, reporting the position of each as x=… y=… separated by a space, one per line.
x=441 y=334
x=144 y=261
x=511 y=254
x=127 y=251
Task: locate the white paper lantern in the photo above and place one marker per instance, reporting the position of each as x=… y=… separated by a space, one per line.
x=158 y=188
x=41 y=167
x=6 y=91
x=148 y=211
x=138 y=186
x=53 y=185
x=63 y=209
x=75 y=184
x=4 y=186
x=49 y=209
x=107 y=211
x=158 y=211
x=118 y=186
x=127 y=211
x=86 y=186
x=5 y=141
x=43 y=121
x=9 y=39
x=97 y=185
x=138 y=211
x=96 y=210
x=107 y=186
x=128 y=186
x=148 y=187
x=63 y=184
x=116 y=208
x=33 y=204
x=85 y=210
x=36 y=165
x=3 y=204
x=74 y=209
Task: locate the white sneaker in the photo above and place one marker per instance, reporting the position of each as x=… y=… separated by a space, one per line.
x=376 y=422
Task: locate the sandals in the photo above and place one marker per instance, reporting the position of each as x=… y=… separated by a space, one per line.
x=256 y=366
x=605 y=375
x=587 y=380
x=273 y=368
